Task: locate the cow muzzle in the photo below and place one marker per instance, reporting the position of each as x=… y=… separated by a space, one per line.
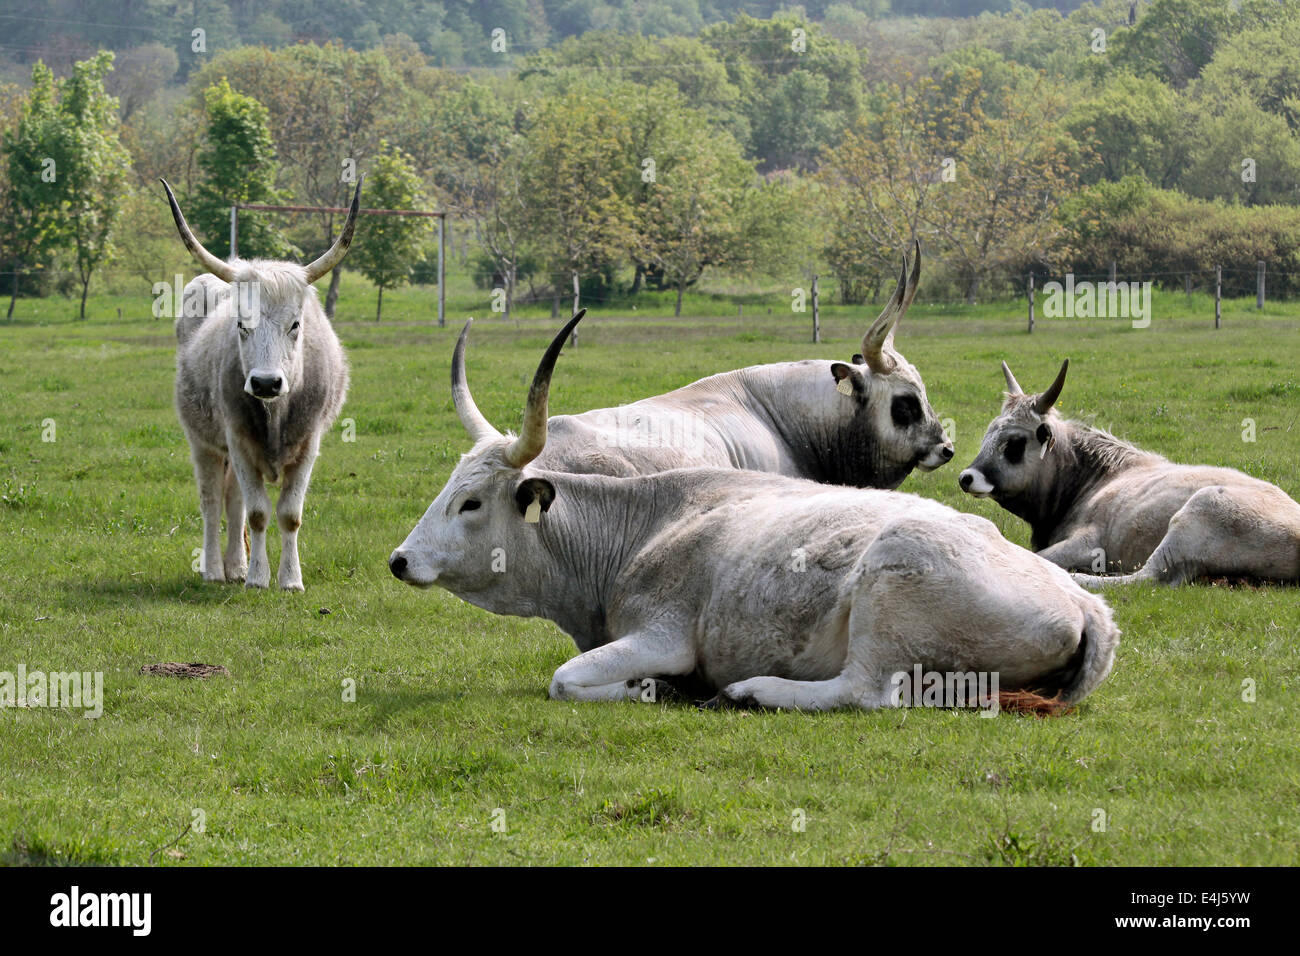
x=937 y=457
x=407 y=571
x=974 y=483
x=265 y=384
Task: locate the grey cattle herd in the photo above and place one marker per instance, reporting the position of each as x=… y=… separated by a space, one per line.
x=743 y=532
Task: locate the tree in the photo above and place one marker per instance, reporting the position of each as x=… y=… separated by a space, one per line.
x=575 y=164
x=34 y=223
x=237 y=164
x=94 y=166
x=387 y=247
x=1136 y=125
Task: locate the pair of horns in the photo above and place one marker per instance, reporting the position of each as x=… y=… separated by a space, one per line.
x=1044 y=401
x=880 y=337
x=532 y=436
x=222 y=269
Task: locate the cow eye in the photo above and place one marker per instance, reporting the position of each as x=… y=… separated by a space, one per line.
x=1014 y=450
x=471 y=504
x=905 y=410
x=293 y=328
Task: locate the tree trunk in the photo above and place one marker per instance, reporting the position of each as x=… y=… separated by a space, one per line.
x=332 y=296
x=13 y=298
x=85 y=288
x=379 y=304
x=511 y=277
x=678 y=311
x=636 y=279
x=972 y=288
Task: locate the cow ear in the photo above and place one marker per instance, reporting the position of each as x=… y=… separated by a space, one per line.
x=532 y=497
x=859 y=358
x=1045 y=438
x=848 y=380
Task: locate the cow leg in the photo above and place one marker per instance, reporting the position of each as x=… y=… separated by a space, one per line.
x=259 y=510
x=615 y=671
x=208 y=470
x=289 y=513
x=236 y=560
x=1075 y=552
x=1216 y=534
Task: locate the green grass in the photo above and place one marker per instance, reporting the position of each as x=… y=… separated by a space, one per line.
x=451 y=719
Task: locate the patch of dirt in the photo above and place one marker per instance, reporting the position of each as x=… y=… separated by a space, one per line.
x=172 y=669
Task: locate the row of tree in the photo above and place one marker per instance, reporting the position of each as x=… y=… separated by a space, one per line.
x=632 y=162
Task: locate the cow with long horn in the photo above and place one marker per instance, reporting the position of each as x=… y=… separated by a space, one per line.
x=866 y=422
x=260 y=377
x=1114 y=513
x=772 y=590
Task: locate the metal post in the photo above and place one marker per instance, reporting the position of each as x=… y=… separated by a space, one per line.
x=234 y=231
x=442 y=270
x=1218 y=295
x=1031 y=303
x=817 y=314
x=1259 y=284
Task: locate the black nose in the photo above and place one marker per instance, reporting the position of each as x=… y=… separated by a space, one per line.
x=947 y=453
x=265 y=384
x=397 y=564
x=966 y=480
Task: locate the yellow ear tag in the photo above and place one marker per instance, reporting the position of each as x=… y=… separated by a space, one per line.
x=844 y=387
x=533 y=513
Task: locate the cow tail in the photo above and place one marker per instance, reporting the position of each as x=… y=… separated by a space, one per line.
x=1080 y=676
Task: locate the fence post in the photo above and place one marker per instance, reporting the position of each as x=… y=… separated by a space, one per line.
x=1189 y=285
x=234 y=231
x=1218 y=295
x=442 y=270
x=1113 y=268
x=817 y=315
x=1031 y=303
x=573 y=336
x=1259 y=284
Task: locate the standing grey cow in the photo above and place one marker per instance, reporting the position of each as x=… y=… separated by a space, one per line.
x=260 y=376
x=867 y=423
x=1096 y=502
x=778 y=591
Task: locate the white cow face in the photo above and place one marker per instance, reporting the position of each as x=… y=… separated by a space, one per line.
x=1012 y=458
x=476 y=538
x=268 y=325
x=903 y=424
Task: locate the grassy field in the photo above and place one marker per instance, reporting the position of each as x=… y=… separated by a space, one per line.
x=451 y=727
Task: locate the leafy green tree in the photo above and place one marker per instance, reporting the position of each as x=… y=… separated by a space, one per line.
x=34 y=223
x=237 y=164
x=1241 y=152
x=94 y=166
x=1136 y=125
x=388 y=247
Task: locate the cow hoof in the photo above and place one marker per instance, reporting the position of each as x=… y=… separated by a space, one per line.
x=291 y=586
x=724 y=701
x=259 y=585
x=218 y=578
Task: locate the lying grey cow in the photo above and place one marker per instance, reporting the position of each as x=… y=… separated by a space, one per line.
x=778 y=591
x=260 y=376
x=866 y=424
x=1097 y=503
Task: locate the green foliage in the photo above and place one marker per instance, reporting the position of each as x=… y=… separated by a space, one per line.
x=237 y=164
x=387 y=247
x=1135 y=126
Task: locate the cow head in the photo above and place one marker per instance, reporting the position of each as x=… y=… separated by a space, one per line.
x=889 y=392
x=1016 y=453
x=269 y=303
x=489 y=502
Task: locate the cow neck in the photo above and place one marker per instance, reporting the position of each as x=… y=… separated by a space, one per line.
x=825 y=445
x=1088 y=459
x=598 y=525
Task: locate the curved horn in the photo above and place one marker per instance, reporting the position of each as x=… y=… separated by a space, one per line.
x=218 y=267
x=1048 y=398
x=1013 y=387
x=334 y=255
x=473 y=420
x=880 y=335
x=532 y=437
